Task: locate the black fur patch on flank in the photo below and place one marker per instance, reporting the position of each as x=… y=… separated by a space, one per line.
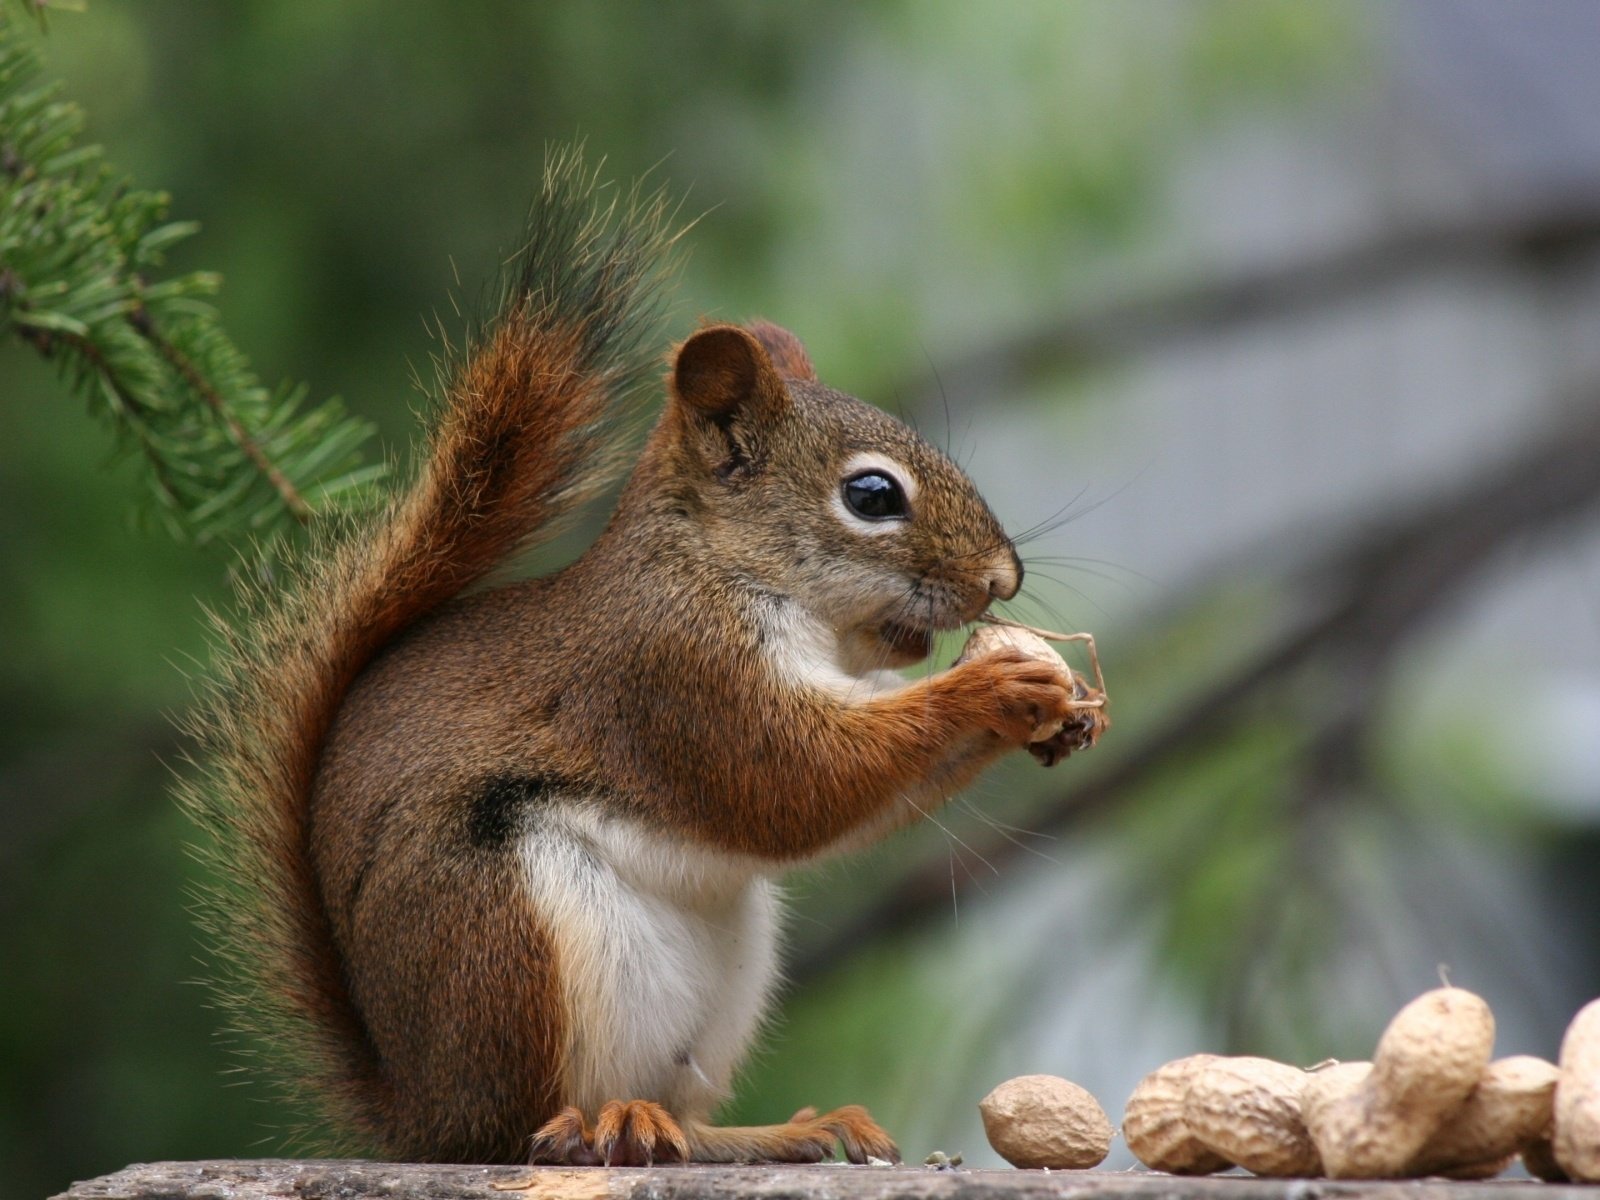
x=498 y=810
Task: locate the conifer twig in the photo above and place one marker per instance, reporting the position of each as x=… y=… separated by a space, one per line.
x=80 y=252
x=175 y=358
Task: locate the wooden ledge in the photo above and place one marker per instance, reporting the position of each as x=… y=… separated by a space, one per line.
x=332 y=1179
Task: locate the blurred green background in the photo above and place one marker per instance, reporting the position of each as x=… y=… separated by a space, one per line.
x=1248 y=308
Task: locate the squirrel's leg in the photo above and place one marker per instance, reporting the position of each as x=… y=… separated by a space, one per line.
x=917 y=746
x=804 y=1137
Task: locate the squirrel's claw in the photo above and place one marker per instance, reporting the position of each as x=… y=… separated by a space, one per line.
x=1078 y=732
x=563 y=1140
x=860 y=1137
x=637 y=1133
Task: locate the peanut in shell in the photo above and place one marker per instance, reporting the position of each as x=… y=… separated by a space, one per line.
x=1509 y=1108
x=1154 y=1125
x=1247 y=1110
x=1046 y=1121
x=1323 y=1100
x=1576 y=1142
x=1539 y=1159
x=1428 y=1061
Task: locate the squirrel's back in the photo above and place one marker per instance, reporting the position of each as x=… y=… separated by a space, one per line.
x=525 y=434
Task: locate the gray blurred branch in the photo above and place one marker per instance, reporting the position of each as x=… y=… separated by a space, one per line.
x=1535 y=235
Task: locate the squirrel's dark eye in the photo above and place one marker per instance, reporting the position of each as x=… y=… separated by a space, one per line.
x=874 y=496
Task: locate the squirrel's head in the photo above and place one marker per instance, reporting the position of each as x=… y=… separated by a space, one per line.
x=828 y=502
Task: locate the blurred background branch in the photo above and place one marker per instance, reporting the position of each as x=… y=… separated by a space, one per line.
x=1546 y=231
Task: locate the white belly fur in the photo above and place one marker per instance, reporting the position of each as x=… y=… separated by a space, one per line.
x=666 y=953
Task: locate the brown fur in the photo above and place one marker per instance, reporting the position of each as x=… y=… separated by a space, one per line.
x=400 y=733
x=784 y=349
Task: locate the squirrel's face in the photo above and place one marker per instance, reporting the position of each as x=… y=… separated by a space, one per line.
x=830 y=503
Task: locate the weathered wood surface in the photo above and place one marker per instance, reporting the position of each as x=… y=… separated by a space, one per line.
x=278 y=1179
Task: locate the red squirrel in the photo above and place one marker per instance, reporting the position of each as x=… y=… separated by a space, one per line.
x=498 y=863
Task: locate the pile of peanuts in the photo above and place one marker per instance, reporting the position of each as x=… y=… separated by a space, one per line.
x=1431 y=1102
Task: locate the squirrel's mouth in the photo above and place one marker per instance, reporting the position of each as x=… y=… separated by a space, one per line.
x=907 y=642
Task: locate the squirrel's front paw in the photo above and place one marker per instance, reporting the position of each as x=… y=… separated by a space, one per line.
x=1026 y=698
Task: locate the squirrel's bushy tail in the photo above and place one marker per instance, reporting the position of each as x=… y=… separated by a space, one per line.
x=525 y=432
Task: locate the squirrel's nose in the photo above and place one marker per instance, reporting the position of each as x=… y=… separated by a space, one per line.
x=1005 y=577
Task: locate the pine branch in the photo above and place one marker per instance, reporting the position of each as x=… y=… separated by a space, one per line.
x=80 y=249
x=179 y=362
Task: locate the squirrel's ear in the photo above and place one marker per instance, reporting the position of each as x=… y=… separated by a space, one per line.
x=785 y=350
x=722 y=371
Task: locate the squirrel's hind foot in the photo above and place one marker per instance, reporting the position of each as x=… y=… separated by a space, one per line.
x=636 y=1133
x=804 y=1138
x=640 y=1133
x=564 y=1140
